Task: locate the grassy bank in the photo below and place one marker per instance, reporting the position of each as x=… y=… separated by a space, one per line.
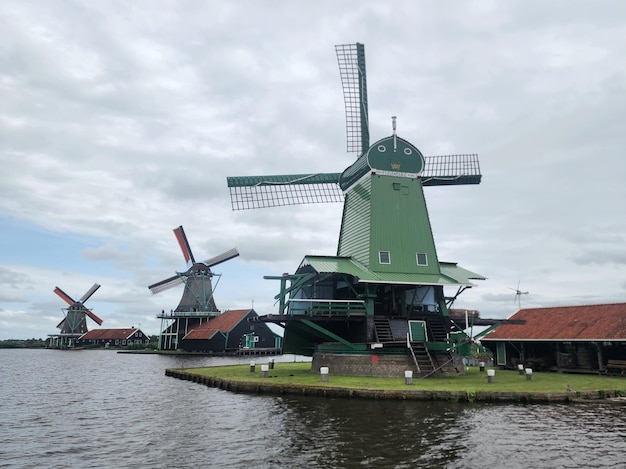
x=297 y=378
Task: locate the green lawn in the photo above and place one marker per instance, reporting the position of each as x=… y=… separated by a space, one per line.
x=474 y=380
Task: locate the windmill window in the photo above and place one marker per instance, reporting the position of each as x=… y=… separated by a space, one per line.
x=422 y=259
x=381 y=148
x=384 y=257
x=408 y=151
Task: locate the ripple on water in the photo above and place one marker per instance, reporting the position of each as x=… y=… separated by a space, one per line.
x=103 y=409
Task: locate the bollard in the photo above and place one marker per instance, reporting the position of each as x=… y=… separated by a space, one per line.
x=520 y=369
x=324 y=373
x=251 y=367
x=264 y=369
x=529 y=374
x=271 y=363
x=408 y=377
x=482 y=366
x=491 y=376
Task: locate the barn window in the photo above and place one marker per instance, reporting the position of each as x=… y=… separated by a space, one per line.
x=421 y=258
x=384 y=257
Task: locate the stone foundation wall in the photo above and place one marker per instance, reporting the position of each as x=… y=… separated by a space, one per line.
x=387 y=366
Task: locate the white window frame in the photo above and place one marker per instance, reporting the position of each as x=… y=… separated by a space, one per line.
x=380 y=259
x=417 y=258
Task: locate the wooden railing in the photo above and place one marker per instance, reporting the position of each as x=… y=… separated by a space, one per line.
x=321 y=307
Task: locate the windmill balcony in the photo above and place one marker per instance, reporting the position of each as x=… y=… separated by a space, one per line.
x=188 y=314
x=326 y=308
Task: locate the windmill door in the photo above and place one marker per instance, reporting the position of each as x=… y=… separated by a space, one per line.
x=417 y=331
x=248 y=340
x=501 y=353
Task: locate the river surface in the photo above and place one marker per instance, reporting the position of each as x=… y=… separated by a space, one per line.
x=98 y=408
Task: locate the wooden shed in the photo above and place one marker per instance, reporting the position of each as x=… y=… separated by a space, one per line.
x=230 y=332
x=587 y=339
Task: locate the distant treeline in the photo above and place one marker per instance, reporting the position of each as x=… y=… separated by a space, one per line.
x=26 y=343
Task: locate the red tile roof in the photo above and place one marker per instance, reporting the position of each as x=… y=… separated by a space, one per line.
x=605 y=322
x=225 y=322
x=110 y=334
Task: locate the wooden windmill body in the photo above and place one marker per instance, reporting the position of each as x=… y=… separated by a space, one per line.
x=378 y=306
x=197 y=304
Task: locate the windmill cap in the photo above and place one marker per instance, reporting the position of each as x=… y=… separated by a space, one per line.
x=392 y=155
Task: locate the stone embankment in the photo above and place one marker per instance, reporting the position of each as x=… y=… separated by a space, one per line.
x=255 y=387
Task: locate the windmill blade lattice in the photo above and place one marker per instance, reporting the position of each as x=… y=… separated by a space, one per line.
x=166 y=284
x=351 y=59
x=252 y=192
x=225 y=256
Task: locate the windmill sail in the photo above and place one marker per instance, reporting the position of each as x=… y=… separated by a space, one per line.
x=74 y=321
x=351 y=59
x=184 y=244
x=252 y=192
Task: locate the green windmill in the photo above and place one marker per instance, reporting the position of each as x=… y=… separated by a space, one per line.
x=378 y=306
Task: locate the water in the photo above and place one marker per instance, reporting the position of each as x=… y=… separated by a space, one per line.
x=104 y=409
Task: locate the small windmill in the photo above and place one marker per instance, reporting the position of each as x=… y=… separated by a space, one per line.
x=518 y=295
x=386 y=281
x=74 y=324
x=197 y=302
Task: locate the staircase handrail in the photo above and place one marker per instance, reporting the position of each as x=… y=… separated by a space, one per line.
x=408 y=345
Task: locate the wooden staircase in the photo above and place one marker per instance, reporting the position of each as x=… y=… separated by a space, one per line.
x=437 y=331
x=421 y=357
x=382 y=329
x=427 y=362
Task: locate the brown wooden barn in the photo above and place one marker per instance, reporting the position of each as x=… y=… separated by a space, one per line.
x=121 y=337
x=231 y=332
x=587 y=339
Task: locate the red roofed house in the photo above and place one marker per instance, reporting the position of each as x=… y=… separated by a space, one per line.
x=229 y=332
x=113 y=337
x=565 y=338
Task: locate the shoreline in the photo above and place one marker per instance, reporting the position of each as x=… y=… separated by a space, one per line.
x=330 y=391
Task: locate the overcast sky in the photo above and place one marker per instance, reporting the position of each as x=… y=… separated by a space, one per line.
x=120 y=121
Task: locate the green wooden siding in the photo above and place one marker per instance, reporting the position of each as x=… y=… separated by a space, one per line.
x=400 y=224
x=354 y=238
x=388 y=213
